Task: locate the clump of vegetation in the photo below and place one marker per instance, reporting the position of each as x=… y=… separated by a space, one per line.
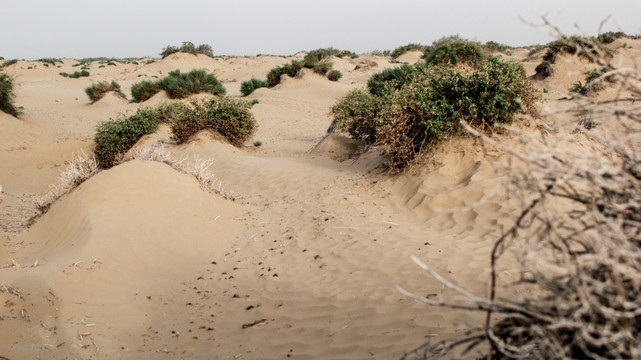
x=315 y=60
x=179 y=85
x=593 y=83
x=9 y=62
x=115 y=137
x=291 y=70
x=258 y=143
x=247 y=87
x=75 y=75
x=496 y=46
x=97 y=90
x=412 y=108
x=228 y=116
x=455 y=52
x=315 y=56
x=323 y=67
x=406 y=48
x=394 y=77
x=587 y=47
x=609 y=36
x=51 y=61
x=334 y=75
x=7 y=95
x=188 y=47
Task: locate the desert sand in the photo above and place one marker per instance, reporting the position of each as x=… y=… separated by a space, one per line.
x=302 y=258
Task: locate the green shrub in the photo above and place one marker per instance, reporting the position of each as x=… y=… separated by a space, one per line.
x=117 y=136
x=395 y=77
x=576 y=87
x=322 y=67
x=76 y=74
x=409 y=47
x=430 y=106
x=495 y=46
x=609 y=36
x=247 y=87
x=7 y=96
x=188 y=47
x=334 y=75
x=179 y=85
x=51 y=61
x=274 y=75
x=9 y=62
x=358 y=114
x=455 y=52
x=592 y=86
x=587 y=47
x=315 y=56
x=228 y=116
x=97 y=90
x=144 y=90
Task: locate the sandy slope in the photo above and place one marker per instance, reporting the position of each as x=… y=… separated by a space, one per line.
x=141 y=262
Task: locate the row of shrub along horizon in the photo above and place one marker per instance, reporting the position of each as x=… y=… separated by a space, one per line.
x=408 y=109
x=315 y=59
x=228 y=116
x=178 y=85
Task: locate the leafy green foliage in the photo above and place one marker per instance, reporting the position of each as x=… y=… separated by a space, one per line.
x=7 y=96
x=97 y=90
x=334 y=75
x=188 y=47
x=76 y=74
x=51 y=61
x=247 y=87
x=322 y=67
x=358 y=114
x=609 y=36
x=496 y=46
x=315 y=56
x=228 y=116
x=587 y=47
x=406 y=48
x=413 y=108
x=455 y=52
x=394 y=77
x=117 y=136
x=9 y=62
x=179 y=85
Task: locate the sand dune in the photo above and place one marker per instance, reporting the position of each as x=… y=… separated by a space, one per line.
x=301 y=260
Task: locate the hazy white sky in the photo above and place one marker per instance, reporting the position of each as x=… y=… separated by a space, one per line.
x=32 y=29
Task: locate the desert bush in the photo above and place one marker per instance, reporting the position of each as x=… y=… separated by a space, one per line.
x=455 y=52
x=586 y=47
x=247 y=87
x=9 y=62
x=228 y=116
x=593 y=81
x=334 y=75
x=179 y=85
x=188 y=47
x=51 y=61
x=7 y=96
x=75 y=75
x=115 y=137
x=274 y=75
x=97 y=90
x=406 y=48
x=496 y=46
x=609 y=36
x=315 y=56
x=394 y=77
x=322 y=67
x=358 y=114
x=142 y=91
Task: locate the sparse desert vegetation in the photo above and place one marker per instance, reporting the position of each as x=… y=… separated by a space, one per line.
x=179 y=85
x=7 y=95
x=188 y=47
x=97 y=90
x=75 y=74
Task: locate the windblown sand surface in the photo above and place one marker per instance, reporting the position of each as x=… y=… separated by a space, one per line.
x=300 y=261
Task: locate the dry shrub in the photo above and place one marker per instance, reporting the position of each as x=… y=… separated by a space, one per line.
x=80 y=168
x=576 y=240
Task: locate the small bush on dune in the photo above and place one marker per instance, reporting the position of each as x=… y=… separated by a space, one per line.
x=406 y=48
x=117 y=136
x=179 y=85
x=315 y=56
x=496 y=46
x=9 y=62
x=96 y=91
x=334 y=75
x=247 y=87
x=455 y=52
x=51 y=61
x=394 y=77
x=7 y=96
x=144 y=90
x=188 y=47
x=75 y=75
x=586 y=47
x=322 y=67
x=358 y=114
x=609 y=36
x=228 y=116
